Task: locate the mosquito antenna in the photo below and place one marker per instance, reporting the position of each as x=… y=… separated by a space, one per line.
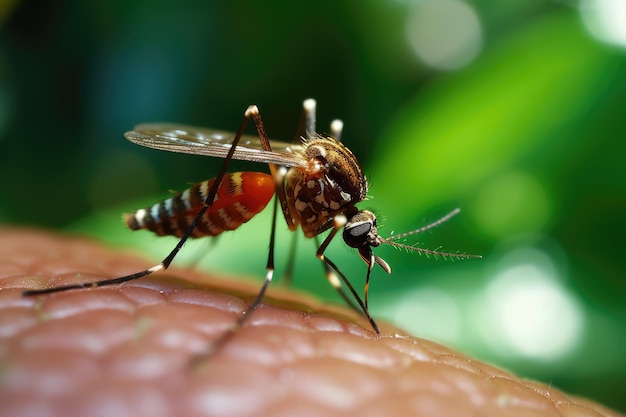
x=392 y=240
x=430 y=252
x=427 y=227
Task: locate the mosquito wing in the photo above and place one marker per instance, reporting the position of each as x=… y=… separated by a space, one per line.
x=210 y=142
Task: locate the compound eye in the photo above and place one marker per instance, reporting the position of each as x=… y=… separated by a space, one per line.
x=355 y=234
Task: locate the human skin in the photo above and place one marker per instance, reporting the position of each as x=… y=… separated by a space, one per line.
x=138 y=349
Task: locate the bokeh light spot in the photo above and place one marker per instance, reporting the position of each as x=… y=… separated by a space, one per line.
x=605 y=20
x=428 y=312
x=445 y=34
x=512 y=203
x=527 y=310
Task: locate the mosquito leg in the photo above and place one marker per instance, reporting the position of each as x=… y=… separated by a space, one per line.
x=336 y=283
x=268 y=275
x=291 y=260
x=366 y=290
x=251 y=111
x=333 y=279
x=364 y=309
x=308 y=120
x=339 y=222
x=330 y=275
x=336 y=127
x=306 y=124
x=310 y=106
x=279 y=174
x=231 y=331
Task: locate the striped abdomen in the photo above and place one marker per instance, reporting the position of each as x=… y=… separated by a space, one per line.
x=239 y=198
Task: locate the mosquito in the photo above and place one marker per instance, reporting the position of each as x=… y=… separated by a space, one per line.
x=318 y=183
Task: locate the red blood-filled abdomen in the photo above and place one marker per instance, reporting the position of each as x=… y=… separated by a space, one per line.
x=240 y=197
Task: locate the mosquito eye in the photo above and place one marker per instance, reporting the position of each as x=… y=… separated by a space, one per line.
x=355 y=235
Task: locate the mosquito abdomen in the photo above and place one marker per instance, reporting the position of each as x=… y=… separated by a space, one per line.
x=240 y=197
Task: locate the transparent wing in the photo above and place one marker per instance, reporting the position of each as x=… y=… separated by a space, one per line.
x=210 y=142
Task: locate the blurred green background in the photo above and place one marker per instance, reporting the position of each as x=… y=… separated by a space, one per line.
x=513 y=111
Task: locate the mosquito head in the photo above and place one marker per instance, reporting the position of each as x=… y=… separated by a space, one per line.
x=360 y=232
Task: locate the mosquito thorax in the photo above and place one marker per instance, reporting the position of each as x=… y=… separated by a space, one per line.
x=339 y=164
x=332 y=184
